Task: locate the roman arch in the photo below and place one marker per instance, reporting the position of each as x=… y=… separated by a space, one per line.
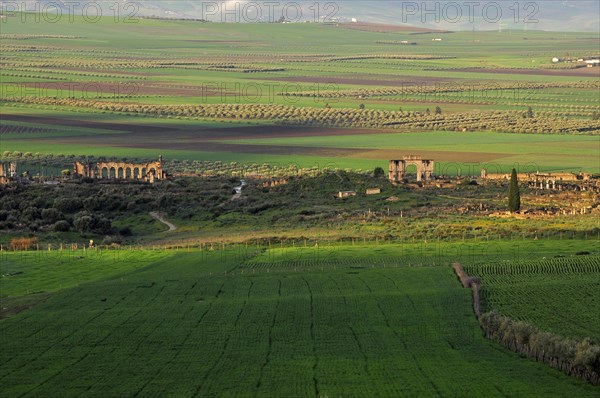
x=150 y=172
x=425 y=168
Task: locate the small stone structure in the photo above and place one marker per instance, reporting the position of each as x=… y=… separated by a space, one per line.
x=373 y=191
x=149 y=172
x=346 y=194
x=425 y=168
x=8 y=172
x=275 y=183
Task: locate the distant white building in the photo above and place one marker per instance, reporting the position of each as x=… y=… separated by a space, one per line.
x=555 y=60
x=436 y=39
x=354 y=20
x=592 y=62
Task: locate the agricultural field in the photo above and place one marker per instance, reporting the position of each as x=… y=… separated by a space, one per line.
x=200 y=323
x=521 y=290
x=312 y=95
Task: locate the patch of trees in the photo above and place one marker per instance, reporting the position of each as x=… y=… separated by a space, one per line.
x=93 y=207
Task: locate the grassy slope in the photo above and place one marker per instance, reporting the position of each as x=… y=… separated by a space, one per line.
x=187 y=329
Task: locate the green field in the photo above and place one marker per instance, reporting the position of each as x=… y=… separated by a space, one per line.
x=112 y=78
x=202 y=324
x=522 y=290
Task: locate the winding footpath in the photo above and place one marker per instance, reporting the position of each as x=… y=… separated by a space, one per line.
x=158 y=217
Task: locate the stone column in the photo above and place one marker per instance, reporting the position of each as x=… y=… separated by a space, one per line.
x=393 y=170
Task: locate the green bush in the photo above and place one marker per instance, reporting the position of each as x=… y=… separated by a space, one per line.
x=62 y=226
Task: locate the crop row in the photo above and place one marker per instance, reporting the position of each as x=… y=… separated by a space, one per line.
x=5 y=36
x=10 y=129
x=32 y=76
x=328 y=261
x=367 y=118
x=553 y=266
x=78 y=73
x=413 y=89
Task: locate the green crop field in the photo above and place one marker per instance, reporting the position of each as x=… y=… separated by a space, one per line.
x=201 y=324
x=560 y=295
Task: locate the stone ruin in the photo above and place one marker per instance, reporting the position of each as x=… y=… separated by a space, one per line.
x=8 y=172
x=425 y=168
x=548 y=181
x=149 y=172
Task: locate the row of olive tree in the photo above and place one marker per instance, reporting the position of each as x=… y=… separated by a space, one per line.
x=509 y=121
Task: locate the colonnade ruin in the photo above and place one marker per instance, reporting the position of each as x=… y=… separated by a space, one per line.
x=149 y=172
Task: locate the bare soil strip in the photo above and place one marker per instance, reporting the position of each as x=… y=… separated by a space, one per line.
x=146 y=131
x=59 y=121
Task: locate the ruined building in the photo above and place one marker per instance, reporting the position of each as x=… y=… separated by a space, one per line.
x=8 y=172
x=550 y=181
x=425 y=168
x=149 y=172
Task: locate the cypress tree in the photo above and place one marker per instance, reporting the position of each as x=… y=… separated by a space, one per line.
x=530 y=112
x=514 y=197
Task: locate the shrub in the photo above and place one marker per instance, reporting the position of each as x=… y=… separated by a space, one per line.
x=102 y=226
x=378 y=172
x=125 y=231
x=23 y=243
x=112 y=240
x=68 y=205
x=51 y=215
x=62 y=226
x=84 y=223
